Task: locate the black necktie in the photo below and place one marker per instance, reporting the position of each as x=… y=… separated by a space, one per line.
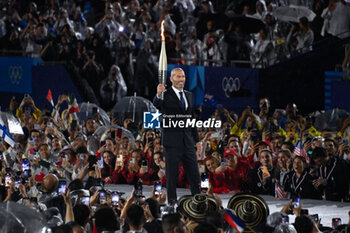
x=182 y=100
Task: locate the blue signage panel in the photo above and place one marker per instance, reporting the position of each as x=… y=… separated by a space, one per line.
x=336 y=91
x=233 y=88
x=16 y=74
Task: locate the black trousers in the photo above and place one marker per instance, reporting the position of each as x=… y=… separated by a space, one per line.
x=188 y=159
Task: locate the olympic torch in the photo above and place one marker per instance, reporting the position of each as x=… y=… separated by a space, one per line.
x=162 y=69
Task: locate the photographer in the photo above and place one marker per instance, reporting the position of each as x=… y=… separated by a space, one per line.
x=149 y=143
x=27 y=110
x=63 y=20
x=81 y=165
x=108 y=22
x=43 y=162
x=138 y=168
x=34 y=141
x=67 y=161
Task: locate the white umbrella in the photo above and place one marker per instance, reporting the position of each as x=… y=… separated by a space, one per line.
x=293 y=13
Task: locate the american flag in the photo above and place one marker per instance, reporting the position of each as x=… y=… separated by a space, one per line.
x=279 y=193
x=299 y=151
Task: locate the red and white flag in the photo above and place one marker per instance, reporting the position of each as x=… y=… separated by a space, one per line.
x=49 y=97
x=73 y=104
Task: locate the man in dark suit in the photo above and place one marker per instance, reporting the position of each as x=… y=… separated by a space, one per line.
x=178 y=142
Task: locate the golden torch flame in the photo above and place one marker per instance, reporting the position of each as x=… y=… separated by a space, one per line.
x=162 y=30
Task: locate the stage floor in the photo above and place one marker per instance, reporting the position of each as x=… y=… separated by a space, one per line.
x=325 y=209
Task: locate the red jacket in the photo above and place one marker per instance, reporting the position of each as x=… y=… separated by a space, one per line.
x=235 y=178
x=118 y=176
x=181 y=180
x=131 y=178
x=217 y=180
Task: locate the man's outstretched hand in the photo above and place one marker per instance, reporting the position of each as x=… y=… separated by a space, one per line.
x=199 y=148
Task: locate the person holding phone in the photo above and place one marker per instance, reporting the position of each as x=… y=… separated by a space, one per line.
x=34 y=141
x=120 y=170
x=42 y=163
x=261 y=180
x=67 y=160
x=158 y=167
x=56 y=147
x=235 y=171
x=299 y=182
x=179 y=143
x=135 y=170
x=216 y=179
x=108 y=166
x=107 y=144
x=149 y=142
x=27 y=111
x=82 y=164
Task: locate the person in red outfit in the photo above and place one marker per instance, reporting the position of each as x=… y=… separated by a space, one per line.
x=108 y=166
x=235 y=171
x=158 y=168
x=137 y=170
x=216 y=179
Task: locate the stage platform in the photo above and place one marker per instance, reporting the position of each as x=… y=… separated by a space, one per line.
x=325 y=209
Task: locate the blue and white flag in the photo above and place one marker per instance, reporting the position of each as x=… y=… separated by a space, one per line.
x=5 y=134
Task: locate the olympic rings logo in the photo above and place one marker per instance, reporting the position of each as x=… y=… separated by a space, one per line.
x=230 y=84
x=15 y=74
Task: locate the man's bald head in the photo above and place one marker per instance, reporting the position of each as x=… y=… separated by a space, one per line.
x=173 y=71
x=50 y=183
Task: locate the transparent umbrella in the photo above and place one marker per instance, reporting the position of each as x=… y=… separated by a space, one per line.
x=125 y=133
x=88 y=110
x=293 y=13
x=330 y=119
x=18 y=218
x=132 y=107
x=93 y=143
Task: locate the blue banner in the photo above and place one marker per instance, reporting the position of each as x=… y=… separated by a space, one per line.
x=16 y=74
x=233 y=88
x=336 y=91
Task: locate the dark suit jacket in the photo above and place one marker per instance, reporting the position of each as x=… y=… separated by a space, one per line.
x=303 y=190
x=171 y=105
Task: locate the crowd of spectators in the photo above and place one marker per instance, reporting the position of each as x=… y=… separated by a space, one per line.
x=276 y=153
x=111 y=49
x=97 y=38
